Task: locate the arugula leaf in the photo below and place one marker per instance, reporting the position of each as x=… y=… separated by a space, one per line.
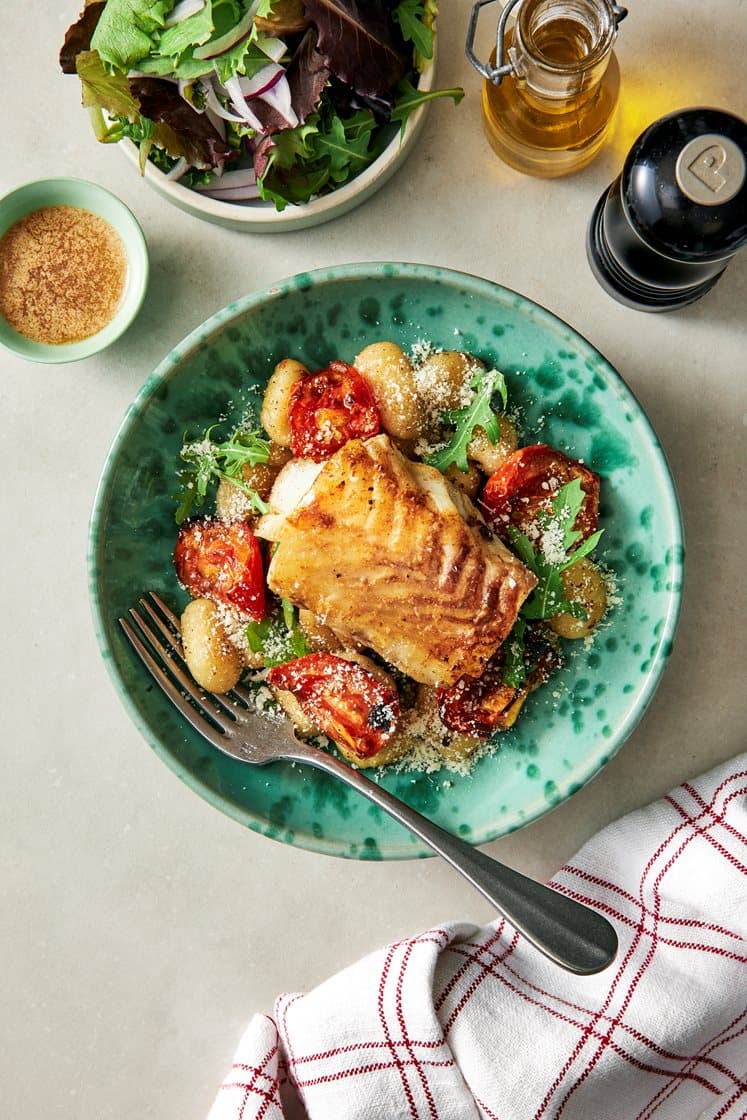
x=347 y=145
x=409 y=98
x=478 y=414
x=210 y=462
x=409 y=14
x=278 y=638
x=297 y=163
x=555 y=540
x=126 y=30
x=514 y=666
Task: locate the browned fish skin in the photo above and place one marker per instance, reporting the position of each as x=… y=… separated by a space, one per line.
x=388 y=554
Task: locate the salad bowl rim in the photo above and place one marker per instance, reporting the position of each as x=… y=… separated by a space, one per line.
x=261 y=216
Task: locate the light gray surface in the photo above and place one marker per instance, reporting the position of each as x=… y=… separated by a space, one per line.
x=139 y=927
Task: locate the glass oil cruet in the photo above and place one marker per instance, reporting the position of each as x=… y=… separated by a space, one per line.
x=547 y=110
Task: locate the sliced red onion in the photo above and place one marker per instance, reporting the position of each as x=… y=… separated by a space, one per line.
x=272 y=47
x=234 y=186
x=183 y=10
x=279 y=97
x=217 y=122
x=178 y=169
x=263 y=80
x=230 y=180
x=231 y=38
x=233 y=89
x=213 y=104
x=241 y=194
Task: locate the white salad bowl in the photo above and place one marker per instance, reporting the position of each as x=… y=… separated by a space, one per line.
x=258 y=216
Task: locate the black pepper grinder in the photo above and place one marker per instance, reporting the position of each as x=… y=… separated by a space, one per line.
x=666 y=229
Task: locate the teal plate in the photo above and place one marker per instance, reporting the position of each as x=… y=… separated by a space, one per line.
x=568 y=396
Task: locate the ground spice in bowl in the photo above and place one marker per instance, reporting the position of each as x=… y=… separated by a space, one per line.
x=63 y=272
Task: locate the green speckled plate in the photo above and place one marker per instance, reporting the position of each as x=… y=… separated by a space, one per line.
x=569 y=396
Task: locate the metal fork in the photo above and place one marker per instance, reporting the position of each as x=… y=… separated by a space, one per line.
x=574 y=936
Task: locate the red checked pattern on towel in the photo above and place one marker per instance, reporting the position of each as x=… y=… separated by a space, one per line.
x=466 y=1024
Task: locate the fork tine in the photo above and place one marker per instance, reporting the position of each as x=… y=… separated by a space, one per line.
x=209 y=703
x=172 y=633
x=206 y=726
x=167 y=613
x=238 y=693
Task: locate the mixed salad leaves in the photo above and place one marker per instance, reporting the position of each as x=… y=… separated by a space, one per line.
x=282 y=100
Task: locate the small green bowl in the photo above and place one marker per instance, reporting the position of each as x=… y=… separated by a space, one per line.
x=88 y=196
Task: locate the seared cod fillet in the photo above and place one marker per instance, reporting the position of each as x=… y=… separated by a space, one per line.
x=388 y=554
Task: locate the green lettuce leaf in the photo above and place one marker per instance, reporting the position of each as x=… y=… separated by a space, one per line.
x=126 y=31
x=190 y=32
x=246 y=58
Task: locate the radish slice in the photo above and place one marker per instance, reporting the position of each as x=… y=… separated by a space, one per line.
x=231 y=38
x=183 y=10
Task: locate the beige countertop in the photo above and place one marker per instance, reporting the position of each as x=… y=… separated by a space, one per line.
x=139 y=926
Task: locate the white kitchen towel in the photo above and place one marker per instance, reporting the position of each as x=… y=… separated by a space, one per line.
x=460 y=1023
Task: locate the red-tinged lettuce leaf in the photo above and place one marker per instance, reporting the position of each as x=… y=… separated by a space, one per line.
x=78 y=35
x=193 y=136
x=346 y=101
x=307 y=76
x=104 y=91
x=357 y=43
x=286 y=166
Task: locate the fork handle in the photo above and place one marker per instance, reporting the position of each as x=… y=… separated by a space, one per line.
x=574 y=936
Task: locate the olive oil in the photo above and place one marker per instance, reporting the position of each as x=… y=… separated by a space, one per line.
x=552 y=114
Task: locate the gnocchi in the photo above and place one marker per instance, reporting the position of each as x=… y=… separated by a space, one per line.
x=212 y=659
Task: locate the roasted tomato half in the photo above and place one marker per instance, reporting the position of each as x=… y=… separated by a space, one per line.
x=221 y=561
x=480 y=706
x=527 y=483
x=343 y=699
x=328 y=408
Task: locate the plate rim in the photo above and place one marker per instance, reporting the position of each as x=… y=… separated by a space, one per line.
x=202 y=334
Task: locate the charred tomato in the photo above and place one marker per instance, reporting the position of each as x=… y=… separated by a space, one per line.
x=343 y=699
x=221 y=561
x=329 y=408
x=526 y=484
x=479 y=706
